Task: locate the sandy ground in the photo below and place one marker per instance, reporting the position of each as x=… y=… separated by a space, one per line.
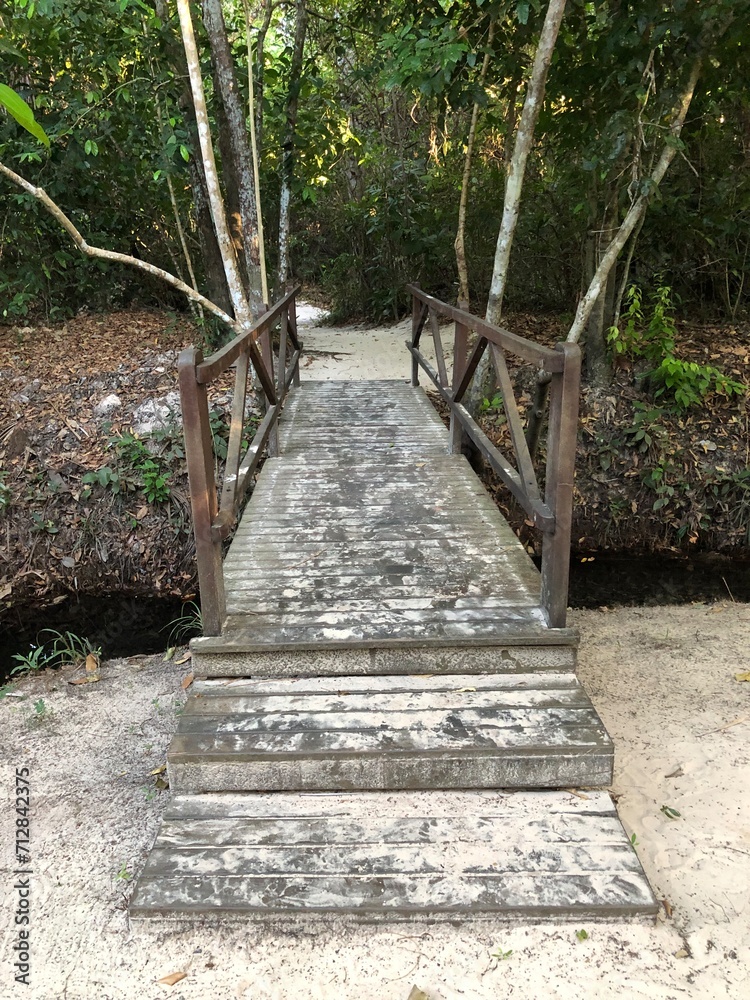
x=359 y=352
x=664 y=683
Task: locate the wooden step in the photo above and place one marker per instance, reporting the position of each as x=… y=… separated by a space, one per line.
x=241 y=653
x=392 y=857
x=390 y=732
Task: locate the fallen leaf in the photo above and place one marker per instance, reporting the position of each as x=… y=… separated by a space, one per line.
x=187 y=681
x=667 y=908
x=677 y=773
x=184 y=659
x=671 y=813
x=172 y=978
x=417 y=994
x=744 y=676
x=90 y=679
x=170 y=653
x=682 y=953
x=92 y=663
x=159 y=770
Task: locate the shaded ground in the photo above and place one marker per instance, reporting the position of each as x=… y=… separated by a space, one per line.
x=663 y=680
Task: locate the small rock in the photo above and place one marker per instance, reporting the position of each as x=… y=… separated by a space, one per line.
x=156 y=414
x=107 y=406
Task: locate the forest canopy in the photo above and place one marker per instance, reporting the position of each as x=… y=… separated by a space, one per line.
x=367 y=109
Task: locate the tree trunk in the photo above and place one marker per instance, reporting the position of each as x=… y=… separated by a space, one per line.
x=238 y=169
x=460 y=244
x=514 y=183
x=213 y=265
x=229 y=258
x=255 y=154
x=637 y=209
x=288 y=158
x=598 y=365
x=524 y=137
x=259 y=80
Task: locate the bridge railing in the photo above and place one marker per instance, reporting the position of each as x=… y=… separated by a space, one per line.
x=215 y=515
x=560 y=375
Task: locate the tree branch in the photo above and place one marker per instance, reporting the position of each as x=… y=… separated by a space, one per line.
x=120 y=258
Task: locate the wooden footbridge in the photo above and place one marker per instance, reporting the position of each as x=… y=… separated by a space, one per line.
x=386 y=721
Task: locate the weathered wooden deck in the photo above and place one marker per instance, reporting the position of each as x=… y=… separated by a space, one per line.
x=364 y=531
x=385 y=713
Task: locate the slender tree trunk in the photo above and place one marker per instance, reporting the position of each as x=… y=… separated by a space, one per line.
x=254 y=150
x=229 y=258
x=514 y=183
x=617 y=306
x=524 y=138
x=287 y=157
x=259 y=61
x=460 y=244
x=637 y=209
x=213 y=265
x=239 y=148
x=597 y=360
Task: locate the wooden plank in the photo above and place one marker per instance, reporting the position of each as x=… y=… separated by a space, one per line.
x=378 y=860
x=523 y=458
x=561 y=448
x=473 y=855
x=244 y=638
x=395 y=683
x=476 y=814
x=437 y=341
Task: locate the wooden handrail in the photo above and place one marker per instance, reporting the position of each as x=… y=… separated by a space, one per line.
x=213 y=520
x=561 y=371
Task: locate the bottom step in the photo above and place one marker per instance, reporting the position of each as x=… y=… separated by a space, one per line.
x=382 y=856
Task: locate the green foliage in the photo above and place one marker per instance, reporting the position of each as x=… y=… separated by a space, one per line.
x=690 y=384
x=137 y=467
x=67 y=648
x=653 y=337
x=188 y=624
x=19 y=109
x=35 y=659
x=646 y=433
x=60 y=649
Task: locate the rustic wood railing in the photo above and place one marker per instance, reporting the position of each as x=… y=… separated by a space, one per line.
x=561 y=368
x=214 y=518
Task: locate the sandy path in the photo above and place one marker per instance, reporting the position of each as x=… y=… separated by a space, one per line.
x=663 y=681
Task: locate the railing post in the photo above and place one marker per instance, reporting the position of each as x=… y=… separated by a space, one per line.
x=266 y=351
x=460 y=351
x=292 y=319
x=199 y=454
x=561 y=456
x=416 y=312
